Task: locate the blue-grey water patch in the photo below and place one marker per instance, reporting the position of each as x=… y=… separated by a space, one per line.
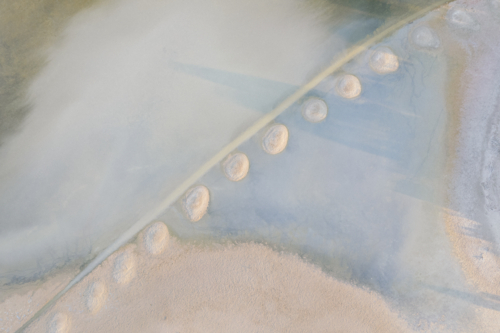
x=115 y=123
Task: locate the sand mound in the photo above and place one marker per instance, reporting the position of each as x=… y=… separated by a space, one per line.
x=156 y=238
x=314 y=110
x=384 y=61
x=348 y=86
x=195 y=202
x=236 y=166
x=124 y=267
x=275 y=139
x=96 y=296
x=59 y=323
x=424 y=37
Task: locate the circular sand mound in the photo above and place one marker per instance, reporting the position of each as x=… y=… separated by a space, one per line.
x=384 y=61
x=156 y=238
x=236 y=166
x=195 y=202
x=275 y=139
x=96 y=296
x=124 y=267
x=348 y=86
x=314 y=110
x=425 y=38
x=59 y=324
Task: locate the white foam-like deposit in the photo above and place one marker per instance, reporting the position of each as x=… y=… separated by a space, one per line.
x=383 y=61
x=459 y=18
x=425 y=37
x=96 y=295
x=156 y=238
x=195 y=202
x=59 y=323
x=275 y=139
x=348 y=86
x=314 y=110
x=236 y=166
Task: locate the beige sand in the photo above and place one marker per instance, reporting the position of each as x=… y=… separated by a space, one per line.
x=155 y=238
x=18 y=304
x=480 y=265
x=384 y=61
x=233 y=288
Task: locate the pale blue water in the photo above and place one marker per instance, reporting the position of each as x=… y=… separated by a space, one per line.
x=343 y=189
x=122 y=116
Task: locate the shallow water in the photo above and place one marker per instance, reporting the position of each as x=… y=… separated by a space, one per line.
x=128 y=106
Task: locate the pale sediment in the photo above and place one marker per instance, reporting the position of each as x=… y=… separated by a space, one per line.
x=124 y=269
x=22 y=302
x=314 y=110
x=244 y=288
x=348 y=86
x=195 y=202
x=275 y=139
x=472 y=95
x=60 y=323
x=236 y=166
x=384 y=61
x=96 y=296
x=156 y=238
x=425 y=37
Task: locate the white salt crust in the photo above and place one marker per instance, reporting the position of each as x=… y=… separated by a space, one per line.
x=59 y=323
x=236 y=166
x=314 y=110
x=195 y=202
x=124 y=267
x=96 y=295
x=156 y=238
x=348 y=86
x=459 y=18
x=425 y=37
x=275 y=139
x=384 y=61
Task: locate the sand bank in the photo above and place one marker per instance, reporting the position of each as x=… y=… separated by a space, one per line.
x=244 y=288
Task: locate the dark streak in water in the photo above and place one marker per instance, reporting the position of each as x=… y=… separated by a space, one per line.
x=26 y=28
x=485 y=300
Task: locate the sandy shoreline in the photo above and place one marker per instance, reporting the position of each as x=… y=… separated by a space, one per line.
x=19 y=303
x=244 y=287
